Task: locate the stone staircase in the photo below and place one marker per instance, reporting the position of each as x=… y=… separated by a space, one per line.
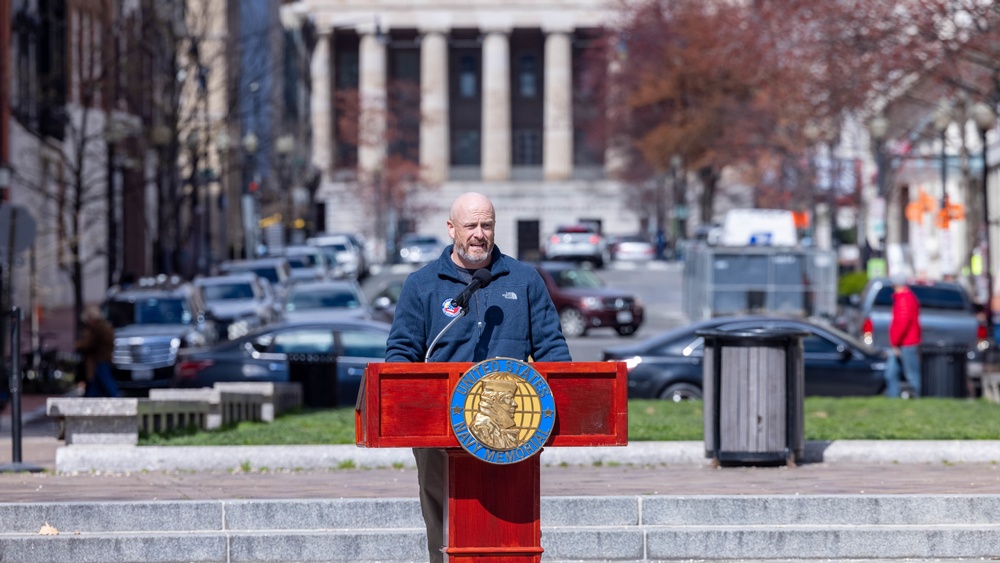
x=614 y=528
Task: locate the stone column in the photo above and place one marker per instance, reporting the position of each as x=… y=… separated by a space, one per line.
x=557 y=152
x=434 y=126
x=616 y=150
x=372 y=94
x=321 y=106
x=496 y=144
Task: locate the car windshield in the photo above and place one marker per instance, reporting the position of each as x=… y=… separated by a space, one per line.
x=323 y=299
x=268 y=273
x=575 y=278
x=302 y=261
x=227 y=291
x=929 y=297
x=149 y=311
x=420 y=241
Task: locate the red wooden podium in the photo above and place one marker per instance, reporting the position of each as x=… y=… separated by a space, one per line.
x=493 y=511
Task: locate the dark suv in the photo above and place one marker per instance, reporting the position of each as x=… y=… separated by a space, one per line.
x=153 y=319
x=584 y=302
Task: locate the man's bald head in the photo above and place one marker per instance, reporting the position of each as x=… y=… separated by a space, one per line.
x=470 y=225
x=471 y=202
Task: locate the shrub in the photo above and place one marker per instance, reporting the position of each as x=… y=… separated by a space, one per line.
x=851 y=283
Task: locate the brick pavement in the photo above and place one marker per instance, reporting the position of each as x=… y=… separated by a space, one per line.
x=819 y=478
x=39 y=448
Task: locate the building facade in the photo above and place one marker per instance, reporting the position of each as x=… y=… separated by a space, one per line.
x=486 y=97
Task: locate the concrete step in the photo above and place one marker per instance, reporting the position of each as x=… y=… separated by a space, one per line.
x=653 y=528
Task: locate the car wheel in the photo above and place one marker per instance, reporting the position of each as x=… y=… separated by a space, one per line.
x=681 y=392
x=625 y=330
x=573 y=323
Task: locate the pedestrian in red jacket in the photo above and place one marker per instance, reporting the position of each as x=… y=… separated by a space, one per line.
x=904 y=337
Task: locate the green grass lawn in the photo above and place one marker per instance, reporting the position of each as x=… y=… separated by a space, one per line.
x=868 y=418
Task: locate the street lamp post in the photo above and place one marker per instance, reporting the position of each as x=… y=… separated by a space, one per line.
x=284 y=146
x=222 y=145
x=113 y=135
x=831 y=137
x=250 y=145
x=162 y=137
x=196 y=219
x=942 y=119
x=680 y=204
x=985 y=119
x=879 y=130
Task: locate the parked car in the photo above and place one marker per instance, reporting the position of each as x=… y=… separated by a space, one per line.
x=346 y=259
x=153 y=320
x=327 y=356
x=238 y=302
x=274 y=269
x=584 y=302
x=326 y=299
x=669 y=365
x=419 y=249
x=948 y=317
x=306 y=262
x=632 y=248
x=577 y=243
x=361 y=247
x=385 y=296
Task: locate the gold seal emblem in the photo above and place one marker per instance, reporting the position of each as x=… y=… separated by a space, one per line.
x=494 y=404
x=502 y=411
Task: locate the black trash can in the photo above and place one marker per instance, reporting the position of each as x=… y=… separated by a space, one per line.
x=943 y=370
x=318 y=375
x=754 y=387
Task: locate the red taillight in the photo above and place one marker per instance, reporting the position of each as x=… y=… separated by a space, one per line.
x=594 y=239
x=554 y=239
x=981 y=333
x=188 y=369
x=867 y=327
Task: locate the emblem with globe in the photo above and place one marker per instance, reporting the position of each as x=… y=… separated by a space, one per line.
x=502 y=417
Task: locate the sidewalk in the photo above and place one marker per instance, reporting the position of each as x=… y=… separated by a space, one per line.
x=848 y=468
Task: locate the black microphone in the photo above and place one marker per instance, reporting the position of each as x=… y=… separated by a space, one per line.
x=480 y=279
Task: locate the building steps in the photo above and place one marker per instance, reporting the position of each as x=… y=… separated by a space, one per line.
x=618 y=528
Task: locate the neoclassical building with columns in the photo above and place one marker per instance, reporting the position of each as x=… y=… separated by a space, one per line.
x=486 y=95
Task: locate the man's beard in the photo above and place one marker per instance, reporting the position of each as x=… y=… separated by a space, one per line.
x=468 y=257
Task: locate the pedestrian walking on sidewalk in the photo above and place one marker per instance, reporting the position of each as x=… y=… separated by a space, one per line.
x=96 y=346
x=904 y=337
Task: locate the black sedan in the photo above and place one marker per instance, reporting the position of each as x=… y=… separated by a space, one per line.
x=327 y=357
x=668 y=366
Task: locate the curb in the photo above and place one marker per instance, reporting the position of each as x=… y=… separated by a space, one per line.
x=123 y=458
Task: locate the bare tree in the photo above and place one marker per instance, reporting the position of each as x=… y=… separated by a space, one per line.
x=391 y=192
x=738 y=85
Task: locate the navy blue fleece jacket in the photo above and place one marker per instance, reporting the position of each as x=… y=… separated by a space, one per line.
x=513 y=317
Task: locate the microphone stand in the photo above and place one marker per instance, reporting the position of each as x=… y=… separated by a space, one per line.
x=444 y=330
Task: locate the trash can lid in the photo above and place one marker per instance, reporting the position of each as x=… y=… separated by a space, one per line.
x=762 y=334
